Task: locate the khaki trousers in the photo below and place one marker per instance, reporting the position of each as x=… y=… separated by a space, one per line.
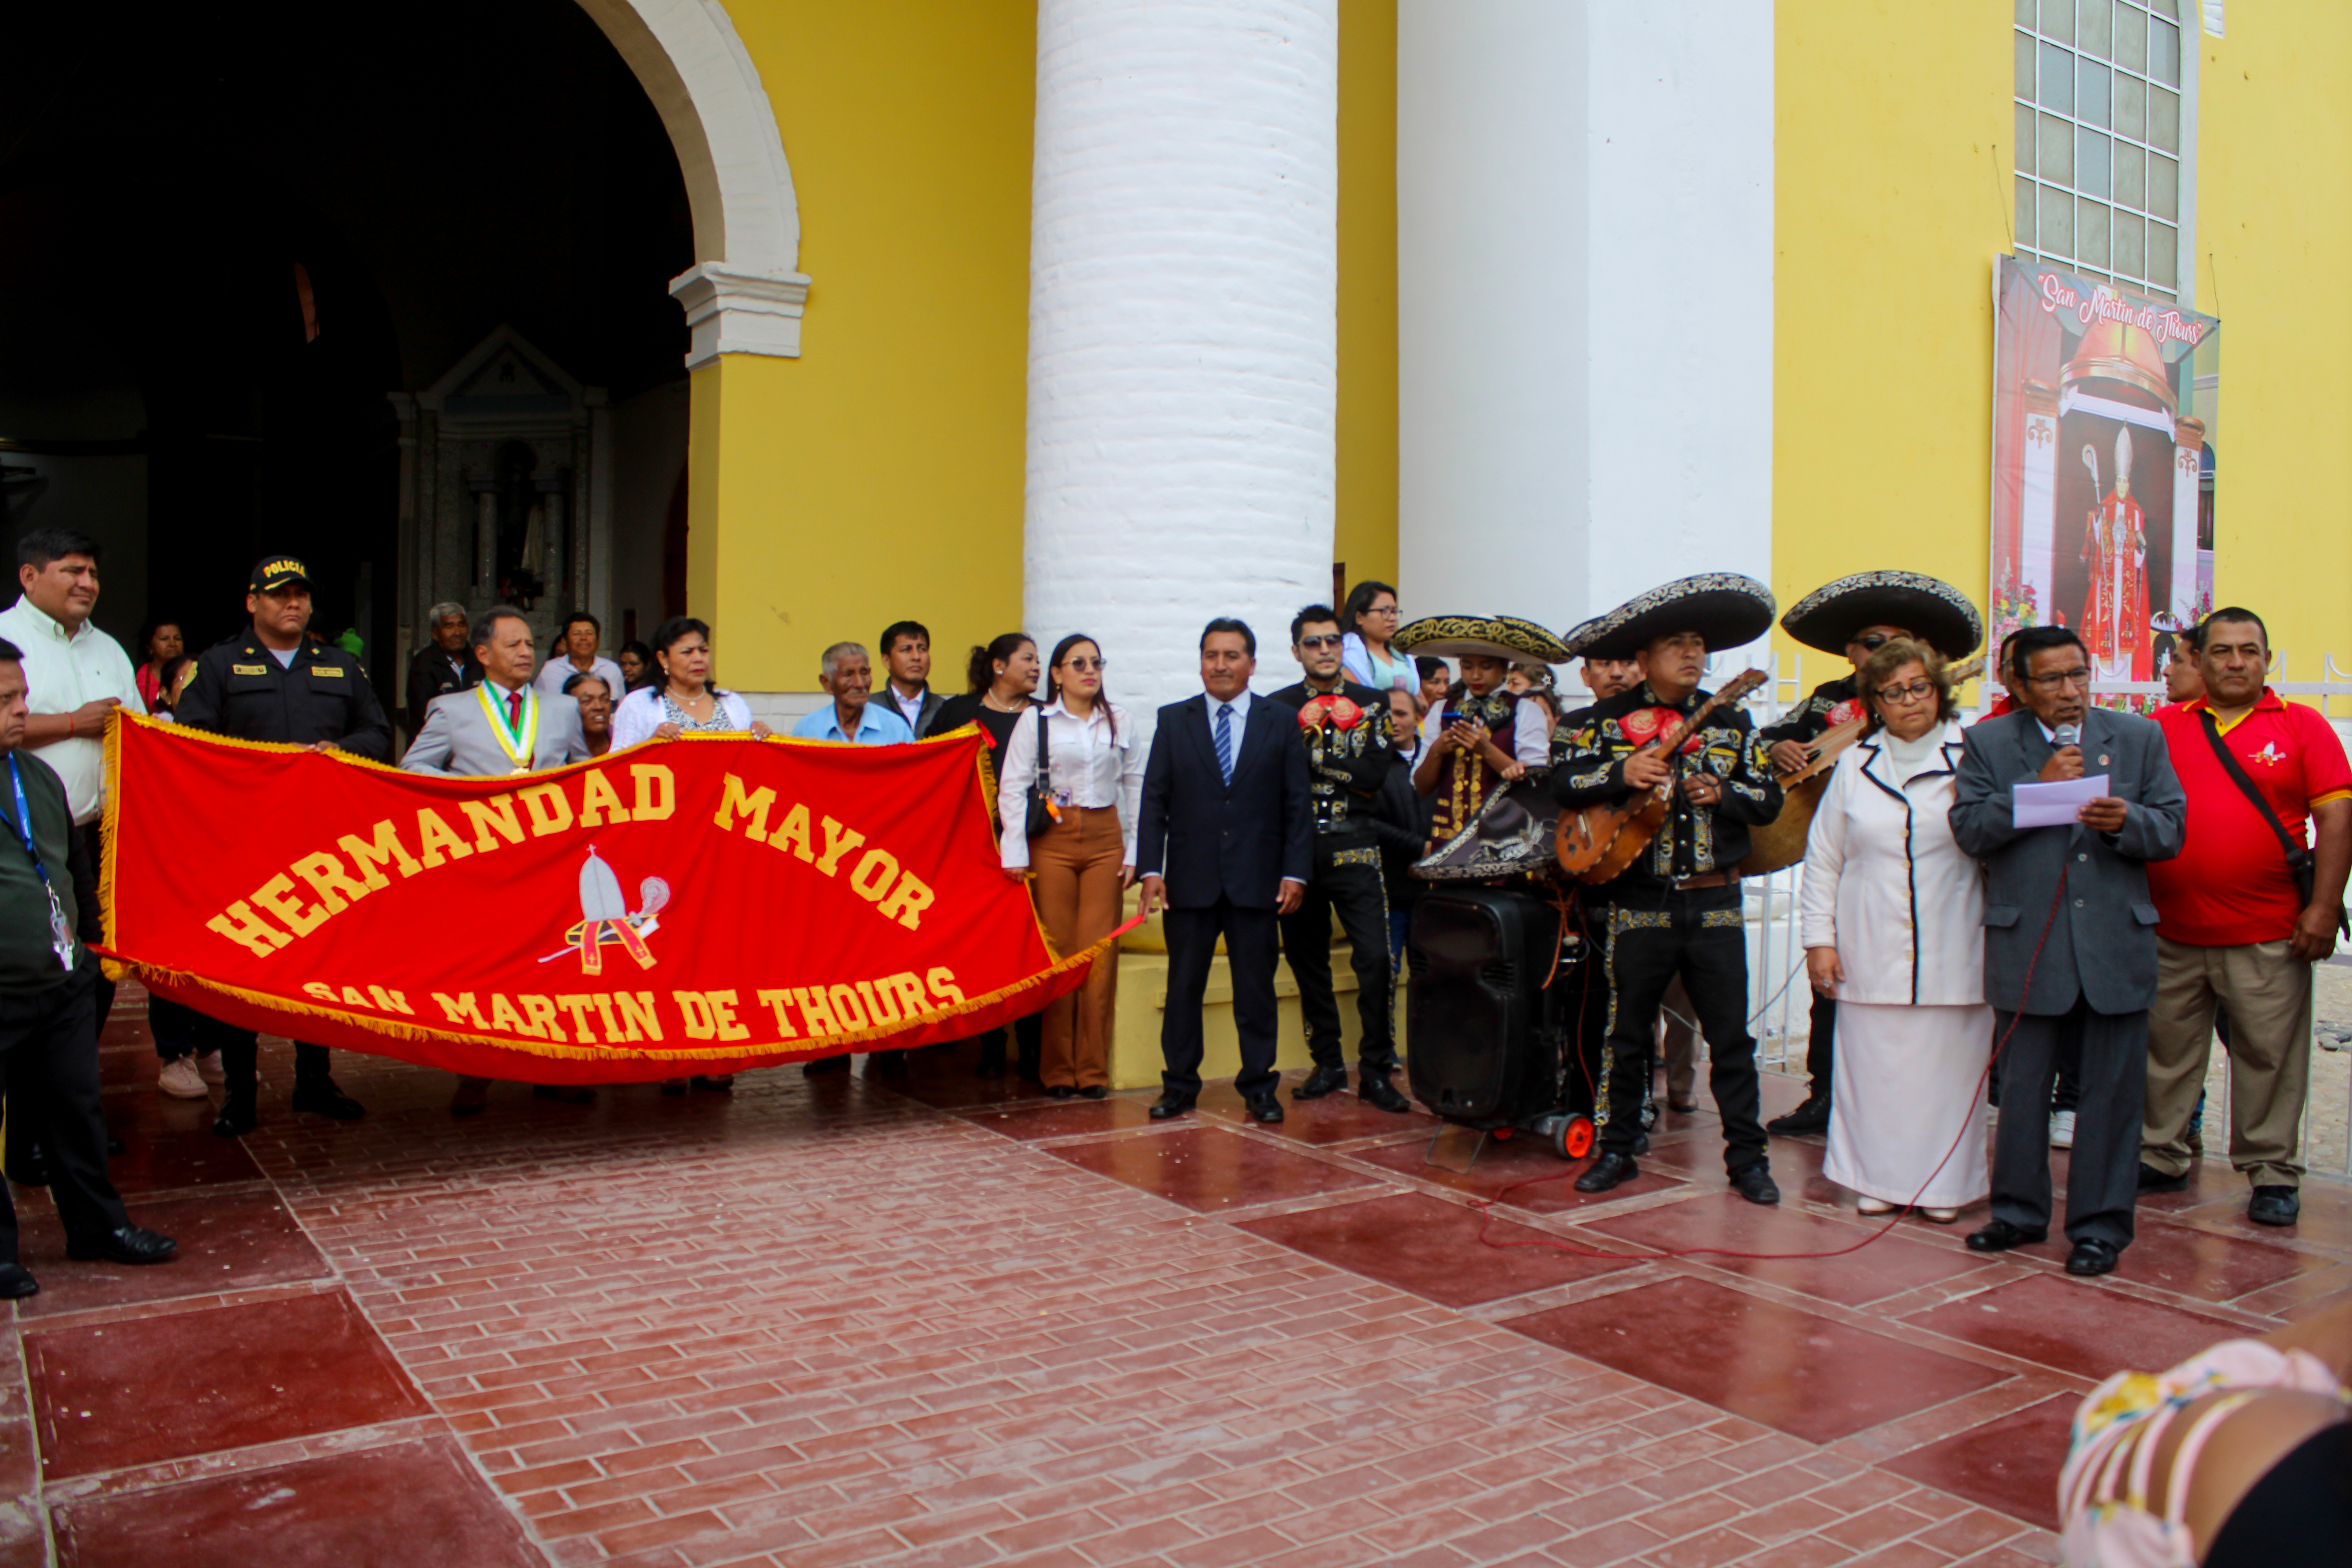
x=2269 y=995
x=1075 y=883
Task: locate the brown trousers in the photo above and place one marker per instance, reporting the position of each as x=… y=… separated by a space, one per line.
x=2268 y=994
x=1075 y=883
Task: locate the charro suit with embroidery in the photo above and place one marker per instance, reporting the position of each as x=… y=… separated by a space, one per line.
x=1657 y=929
x=1351 y=750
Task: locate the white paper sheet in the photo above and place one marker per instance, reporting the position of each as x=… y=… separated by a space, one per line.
x=2055 y=804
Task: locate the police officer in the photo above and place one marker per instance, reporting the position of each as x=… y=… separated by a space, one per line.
x=275 y=684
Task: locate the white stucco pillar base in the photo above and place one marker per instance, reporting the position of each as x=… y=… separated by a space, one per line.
x=1183 y=388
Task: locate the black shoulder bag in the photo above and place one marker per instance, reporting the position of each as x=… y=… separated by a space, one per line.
x=2300 y=864
x=1041 y=814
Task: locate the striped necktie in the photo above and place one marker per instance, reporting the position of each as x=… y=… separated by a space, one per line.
x=1225 y=741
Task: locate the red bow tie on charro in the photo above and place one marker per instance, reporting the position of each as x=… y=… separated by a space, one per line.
x=1342 y=712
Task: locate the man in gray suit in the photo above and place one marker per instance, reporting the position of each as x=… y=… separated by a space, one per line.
x=502 y=726
x=2069 y=940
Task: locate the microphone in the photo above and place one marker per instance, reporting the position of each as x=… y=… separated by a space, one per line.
x=2069 y=735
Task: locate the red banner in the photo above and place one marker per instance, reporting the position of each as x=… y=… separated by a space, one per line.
x=696 y=906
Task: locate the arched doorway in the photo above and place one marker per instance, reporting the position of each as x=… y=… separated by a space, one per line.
x=241 y=251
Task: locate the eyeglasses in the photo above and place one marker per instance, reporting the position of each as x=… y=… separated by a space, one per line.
x=1918 y=691
x=1325 y=641
x=2078 y=675
x=1084 y=663
x=1381 y=610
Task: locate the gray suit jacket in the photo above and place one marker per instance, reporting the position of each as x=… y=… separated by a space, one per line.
x=456 y=739
x=933 y=703
x=2102 y=942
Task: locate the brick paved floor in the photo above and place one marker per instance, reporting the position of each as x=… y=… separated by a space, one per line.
x=836 y=1322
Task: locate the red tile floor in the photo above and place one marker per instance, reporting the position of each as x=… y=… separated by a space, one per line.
x=831 y=1321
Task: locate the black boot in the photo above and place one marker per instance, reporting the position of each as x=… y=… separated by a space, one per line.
x=1331 y=1078
x=320 y=1096
x=1813 y=1116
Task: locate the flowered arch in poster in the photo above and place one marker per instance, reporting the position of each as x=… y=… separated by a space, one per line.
x=2104 y=418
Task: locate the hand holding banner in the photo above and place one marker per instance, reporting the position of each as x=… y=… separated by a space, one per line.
x=705 y=905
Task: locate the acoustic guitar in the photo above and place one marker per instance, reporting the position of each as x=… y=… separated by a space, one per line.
x=1597 y=842
x=1781 y=842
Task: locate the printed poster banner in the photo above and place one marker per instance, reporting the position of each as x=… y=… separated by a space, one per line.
x=2104 y=414
x=702 y=905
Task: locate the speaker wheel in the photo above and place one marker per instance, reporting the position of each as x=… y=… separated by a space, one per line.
x=1574 y=1139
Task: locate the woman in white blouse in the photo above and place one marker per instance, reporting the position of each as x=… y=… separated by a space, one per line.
x=1894 y=928
x=682 y=701
x=1081 y=865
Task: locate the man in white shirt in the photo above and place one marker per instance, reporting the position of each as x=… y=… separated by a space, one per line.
x=74 y=673
x=907 y=662
x=576 y=642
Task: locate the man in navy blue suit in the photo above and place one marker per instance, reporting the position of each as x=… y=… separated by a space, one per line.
x=1225 y=845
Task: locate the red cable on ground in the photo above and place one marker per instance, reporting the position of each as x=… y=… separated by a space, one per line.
x=1486 y=1205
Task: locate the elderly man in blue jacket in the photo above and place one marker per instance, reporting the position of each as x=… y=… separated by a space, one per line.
x=2069 y=940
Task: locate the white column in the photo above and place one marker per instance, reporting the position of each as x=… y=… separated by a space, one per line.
x=1584 y=199
x=1183 y=267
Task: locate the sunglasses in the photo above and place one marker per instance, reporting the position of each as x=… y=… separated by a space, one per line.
x=1325 y=641
x=1874 y=641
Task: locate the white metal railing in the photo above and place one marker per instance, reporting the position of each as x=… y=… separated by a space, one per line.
x=1780 y=1002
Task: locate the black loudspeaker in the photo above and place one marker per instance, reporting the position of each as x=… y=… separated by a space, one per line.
x=1481 y=1052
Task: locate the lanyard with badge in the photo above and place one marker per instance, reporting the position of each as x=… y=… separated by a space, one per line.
x=61 y=936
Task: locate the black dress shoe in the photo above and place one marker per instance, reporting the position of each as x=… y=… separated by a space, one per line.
x=674 y=1087
x=2275 y=1205
x=1094 y=1092
x=123 y=1244
x=1263 y=1106
x=16 y=1282
x=2091 y=1258
x=236 y=1119
x=887 y=1064
x=563 y=1093
x=1755 y=1184
x=1611 y=1170
x=2152 y=1179
x=2000 y=1235
x=1375 y=1091
x=472 y=1096
x=1168 y=1105
x=1813 y=1116
x=824 y=1067
x=720 y=1083
x=1327 y=1080
x=1059 y=1090
x=989 y=1066
x=31 y=1171
x=320 y=1096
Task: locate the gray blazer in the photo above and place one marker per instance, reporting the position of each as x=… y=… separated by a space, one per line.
x=456 y=739
x=2102 y=946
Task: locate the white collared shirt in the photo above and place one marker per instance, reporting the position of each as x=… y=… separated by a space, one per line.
x=1090 y=763
x=910 y=708
x=62 y=671
x=558 y=669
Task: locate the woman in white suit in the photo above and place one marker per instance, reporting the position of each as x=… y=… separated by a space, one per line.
x=1892 y=924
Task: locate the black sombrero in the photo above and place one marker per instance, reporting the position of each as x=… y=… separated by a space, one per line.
x=1480 y=636
x=1927 y=607
x=1725 y=608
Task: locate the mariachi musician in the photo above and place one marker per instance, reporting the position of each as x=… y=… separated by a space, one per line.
x=1676 y=909
x=1481 y=737
x=1853 y=616
x=1587 y=1047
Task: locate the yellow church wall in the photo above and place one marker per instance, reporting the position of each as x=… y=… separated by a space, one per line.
x=1892 y=190
x=2275 y=262
x=880 y=475
x=1365 y=533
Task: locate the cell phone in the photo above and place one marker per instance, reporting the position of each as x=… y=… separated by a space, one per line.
x=1451 y=716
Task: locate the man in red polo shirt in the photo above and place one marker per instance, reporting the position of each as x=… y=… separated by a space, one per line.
x=2233 y=928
